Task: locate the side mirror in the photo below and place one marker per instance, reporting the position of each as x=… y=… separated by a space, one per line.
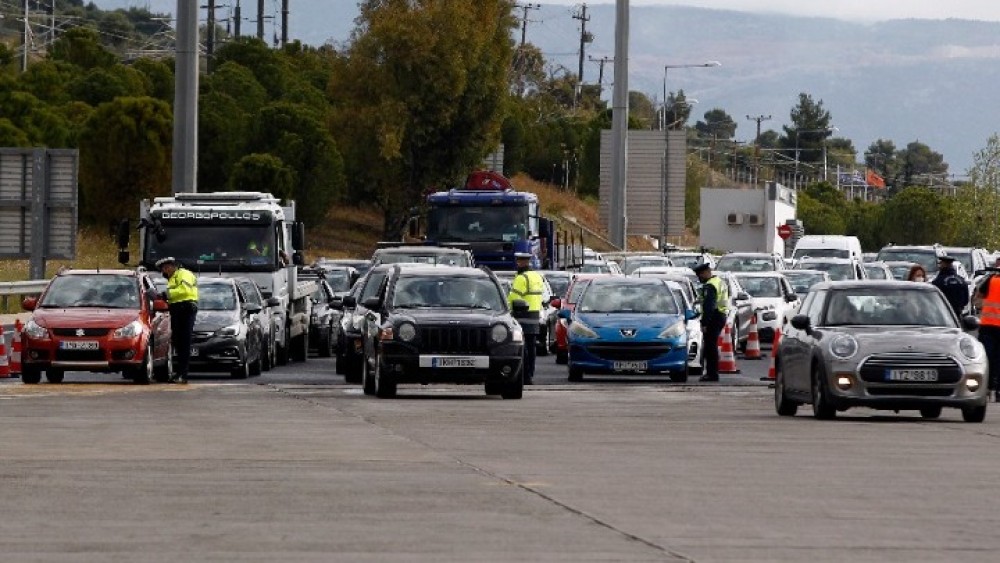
x=556 y=302
x=691 y=315
x=565 y=314
x=254 y=309
x=273 y=302
x=519 y=306
x=350 y=302
x=790 y=297
x=970 y=322
x=372 y=303
x=801 y=322
x=742 y=296
x=29 y=303
x=337 y=301
x=160 y=306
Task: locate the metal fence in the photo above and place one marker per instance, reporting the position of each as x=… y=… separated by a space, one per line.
x=19 y=290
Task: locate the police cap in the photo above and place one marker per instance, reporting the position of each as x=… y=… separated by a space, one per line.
x=703 y=267
x=162 y=261
x=946 y=258
x=524 y=255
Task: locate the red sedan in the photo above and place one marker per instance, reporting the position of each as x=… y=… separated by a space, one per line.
x=99 y=321
x=569 y=301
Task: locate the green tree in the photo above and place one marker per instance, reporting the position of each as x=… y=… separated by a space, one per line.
x=223 y=125
x=918 y=164
x=810 y=127
x=677 y=110
x=641 y=108
x=881 y=157
x=717 y=125
x=528 y=73
x=41 y=123
x=159 y=78
x=11 y=136
x=263 y=173
x=100 y=85
x=125 y=157
x=821 y=208
x=49 y=80
x=918 y=215
x=977 y=204
x=82 y=47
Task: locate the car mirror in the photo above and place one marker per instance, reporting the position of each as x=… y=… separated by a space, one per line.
x=801 y=322
x=29 y=303
x=254 y=309
x=742 y=296
x=970 y=322
x=160 y=305
x=337 y=301
x=556 y=302
x=372 y=303
x=273 y=302
x=691 y=315
x=519 y=307
x=790 y=297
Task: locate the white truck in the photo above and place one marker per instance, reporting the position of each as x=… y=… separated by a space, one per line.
x=234 y=234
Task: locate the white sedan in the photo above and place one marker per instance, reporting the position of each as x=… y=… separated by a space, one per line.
x=773 y=298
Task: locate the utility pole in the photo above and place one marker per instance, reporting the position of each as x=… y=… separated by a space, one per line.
x=756 y=146
x=210 y=32
x=284 y=22
x=185 y=143
x=260 y=19
x=237 y=18
x=524 y=19
x=617 y=202
x=600 y=76
x=584 y=38
x=26 y=38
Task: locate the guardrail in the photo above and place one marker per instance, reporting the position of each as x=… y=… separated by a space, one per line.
x=20 y=289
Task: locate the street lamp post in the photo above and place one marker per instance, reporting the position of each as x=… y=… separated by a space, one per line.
x=666 y=142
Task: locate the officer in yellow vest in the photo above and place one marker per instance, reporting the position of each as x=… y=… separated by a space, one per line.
x=182 y=298
x=714 y=312
x=528 y=286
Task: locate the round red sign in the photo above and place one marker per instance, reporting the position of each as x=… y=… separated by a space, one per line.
x=784 y=231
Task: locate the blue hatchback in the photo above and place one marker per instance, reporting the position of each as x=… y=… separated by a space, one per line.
x=628 y=326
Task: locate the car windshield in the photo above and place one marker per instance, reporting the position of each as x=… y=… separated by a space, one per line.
x=836 y=271
x=216 y=297
x=420 y=291
x=745 y=264
x=963 y=256
x=802 y=283
x=900 y=272
x=450 y=259
x=926 y=258
x=577 y=292
x=821 y=253
x=339 y=280
x=628 y=298
x=686 y=260
x=761 y=287
x=875 y=272
x=631 y=264
x=595 y=268
x=98 y=290
x=558 y=282
x=871 y=306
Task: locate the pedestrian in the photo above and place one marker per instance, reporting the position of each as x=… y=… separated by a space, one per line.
x=182 y=299
x=917 y=274
x=528 y=285
x=714 y=312
x=989 y=327
x=954 y=286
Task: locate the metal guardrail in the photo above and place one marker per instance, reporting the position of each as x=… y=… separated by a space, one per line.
x=20 y=289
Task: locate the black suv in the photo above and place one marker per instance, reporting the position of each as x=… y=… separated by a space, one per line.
x=441 y=325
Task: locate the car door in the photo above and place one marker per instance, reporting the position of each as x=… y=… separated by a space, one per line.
x=159 y=321
x=372 y=320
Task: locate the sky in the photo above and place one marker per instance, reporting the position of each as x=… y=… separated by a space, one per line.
x=852 y=10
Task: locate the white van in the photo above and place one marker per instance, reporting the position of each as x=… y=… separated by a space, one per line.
x=828 y=246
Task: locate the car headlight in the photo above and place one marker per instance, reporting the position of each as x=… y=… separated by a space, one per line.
x=674 y=330
x=131 y=330
x=499 y=333
x=406 y=332
x=844 y=346
x=516 y=334
x=34 y=330
x=580 y=329
x=231 y=330
x=969 y=348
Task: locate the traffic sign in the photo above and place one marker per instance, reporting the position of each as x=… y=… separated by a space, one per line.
x=784 y=231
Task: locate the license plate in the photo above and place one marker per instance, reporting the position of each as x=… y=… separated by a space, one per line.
x=468 y=362
x=631 y=366
x=79 y=345
x=912 y=375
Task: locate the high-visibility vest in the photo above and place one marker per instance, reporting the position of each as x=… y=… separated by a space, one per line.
x=530 y=287
x=990 y=315
x=721 y=294
x=182 y=286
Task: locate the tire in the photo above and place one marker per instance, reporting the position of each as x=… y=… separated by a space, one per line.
x=55 y=375
x=385 y=385
x=257 y=365
x=782 y=404
x=241 y=371
x=695 y=370
x=325 y=346
x=300 y=347
x=575 y=373
x=353 y=372
x=681 y=376
x=267 y=355
x=341 y=361
x=367 y=378
x=513 y=389
x=562 y=358
x=144 y=374
x=161 y=374
x=974 y=414
x=30 y=375
x=822 y=409
x=930 y=412
x=494 y=388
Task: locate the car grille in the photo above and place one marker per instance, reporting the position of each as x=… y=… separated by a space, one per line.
x=86 y=331
x=873 y=368
x=922 y=391
x=638 y=351
x=79 y=355
x=454 y=340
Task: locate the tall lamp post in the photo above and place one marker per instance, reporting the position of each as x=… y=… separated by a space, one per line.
x=666 y=143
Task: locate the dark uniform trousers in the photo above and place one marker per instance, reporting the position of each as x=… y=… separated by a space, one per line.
x=713 y=324
x=182 y=316
x=529 y=325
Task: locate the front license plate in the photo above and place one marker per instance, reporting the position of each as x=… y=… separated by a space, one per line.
x=79 y=345
x=467 y=362
x=912 y=375
x=631 y=366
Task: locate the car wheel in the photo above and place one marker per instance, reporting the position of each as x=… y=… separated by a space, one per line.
x=974 y=414
x=161 y=373
x=494 y=388
x=680 y=376
x=30 y=375
x=367 y=378
x=242 y=371
x=562 y=358
x=256 y=365
x=575 y=373
x=325 y=345
x=385 y=385
x=353 y=369
x=822 y=409
x=55 y=375
x=930 y=412
x=782 y=404
x=144 y=374
x=267 y=355
x=513 y=389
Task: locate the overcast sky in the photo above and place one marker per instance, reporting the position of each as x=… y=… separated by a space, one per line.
x=854 y=10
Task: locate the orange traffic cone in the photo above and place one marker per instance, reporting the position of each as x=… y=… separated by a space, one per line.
x=727 y=359
x=4 y=366
x=771 y=372
x=15 y=349
x=752 y=351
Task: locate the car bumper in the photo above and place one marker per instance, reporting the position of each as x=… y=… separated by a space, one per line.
x=408 y=365
x=110 y=356
x=906 y=396
x=594 y=360
x=218 y=354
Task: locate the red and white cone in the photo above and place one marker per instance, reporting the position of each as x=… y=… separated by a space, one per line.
x=15 y=349
x=727 y=359
x=4 y=365
x=752 y=351
x=772 y=371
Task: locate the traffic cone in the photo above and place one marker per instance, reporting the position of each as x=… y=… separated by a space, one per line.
x=752 y=351
x=4 y=366
x=15 y=349
x=727 y=359
x=771 y=372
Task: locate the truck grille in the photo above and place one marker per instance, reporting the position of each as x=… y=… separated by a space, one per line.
x=454 y=340
x=873 y=369
x=86 y=331
x=635 y=352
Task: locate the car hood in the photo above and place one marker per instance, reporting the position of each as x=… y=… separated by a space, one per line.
x=459 y=317
x=899 y=339
x=647 y=326
x=206 y=321
x=84 y=317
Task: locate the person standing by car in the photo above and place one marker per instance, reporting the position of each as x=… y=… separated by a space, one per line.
x=715 y=311
x=954 y=286
x=917 y=274
x=989 y=327
x=528 y=285
x=182 y=297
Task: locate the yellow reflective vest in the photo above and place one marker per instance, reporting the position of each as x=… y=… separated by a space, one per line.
x=721 y=293
x=530 y=287
x=182 y=286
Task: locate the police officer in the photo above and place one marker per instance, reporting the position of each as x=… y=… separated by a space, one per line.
x=182 y=297
x=989 y=327
x=714 y=311
x=954 y=286
x=528 y=285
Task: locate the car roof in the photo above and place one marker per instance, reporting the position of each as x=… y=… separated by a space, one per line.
x=87 y=272
x=874 y=284
x=205 y=280
x=831 y=260
x=628 y=280
x=416 y=249
x=758 y=274
x=437 y=270
x=798 y=271
x=755 y=254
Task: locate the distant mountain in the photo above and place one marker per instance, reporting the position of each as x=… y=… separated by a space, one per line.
x=904 y=80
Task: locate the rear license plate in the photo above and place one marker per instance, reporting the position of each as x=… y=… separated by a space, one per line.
x=467 y=362
x=79 y=345
x=912 y=375
x=631 y=366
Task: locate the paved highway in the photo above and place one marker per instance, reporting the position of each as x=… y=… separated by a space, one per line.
x=296 y=466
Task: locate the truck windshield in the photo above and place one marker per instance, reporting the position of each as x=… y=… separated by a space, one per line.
x=478 y=223
x=208 y=248
x=821 y=253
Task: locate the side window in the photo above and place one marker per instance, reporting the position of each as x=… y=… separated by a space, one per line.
x=251 y=294
x=374 y=286
x=815 y=311
x=807 y=303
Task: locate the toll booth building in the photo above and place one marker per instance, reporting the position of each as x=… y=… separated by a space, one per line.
x=746 y=219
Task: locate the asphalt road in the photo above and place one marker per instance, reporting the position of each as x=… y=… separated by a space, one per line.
x=296 y=466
